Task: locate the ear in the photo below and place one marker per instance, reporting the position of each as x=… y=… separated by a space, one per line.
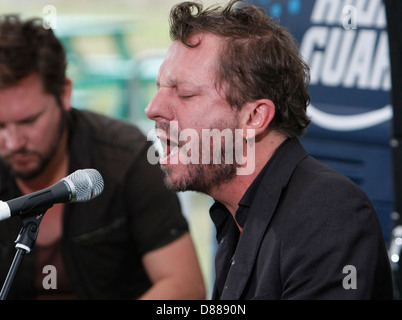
x=257 y=115
x=66 y=94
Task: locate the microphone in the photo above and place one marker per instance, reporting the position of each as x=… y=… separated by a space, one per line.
x=80 y=186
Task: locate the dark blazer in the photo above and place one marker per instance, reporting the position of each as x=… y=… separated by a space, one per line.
x=307 y=228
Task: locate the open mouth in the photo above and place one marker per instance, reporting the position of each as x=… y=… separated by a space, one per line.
x=170 y=150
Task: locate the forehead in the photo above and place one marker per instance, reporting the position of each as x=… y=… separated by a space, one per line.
x=185 y=64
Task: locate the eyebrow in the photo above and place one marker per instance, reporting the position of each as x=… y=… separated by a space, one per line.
x=177 y=83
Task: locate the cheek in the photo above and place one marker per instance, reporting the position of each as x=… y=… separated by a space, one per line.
x=205 y=114
x=43 y=135
x=38 y=133
x=195 y=121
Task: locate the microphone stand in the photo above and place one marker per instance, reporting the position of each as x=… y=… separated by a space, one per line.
x=24 y=244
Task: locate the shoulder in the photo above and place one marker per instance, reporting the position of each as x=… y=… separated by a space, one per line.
x=105 y=129
x=318 y=195
x=319 y=179
x=108 y=144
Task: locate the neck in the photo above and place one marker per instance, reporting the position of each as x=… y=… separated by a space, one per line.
x=56 y=169
x=230 y=193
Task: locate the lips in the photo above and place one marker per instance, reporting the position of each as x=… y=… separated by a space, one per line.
x=19 y=158
x=170 y=149
x=22 y=162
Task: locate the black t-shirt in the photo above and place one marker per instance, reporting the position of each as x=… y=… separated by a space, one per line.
x=103 y=239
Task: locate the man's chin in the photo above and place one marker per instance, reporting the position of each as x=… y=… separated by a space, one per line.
x=175 y=180
x=198 y=178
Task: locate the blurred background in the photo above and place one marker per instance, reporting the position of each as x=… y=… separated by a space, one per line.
x=115 y=49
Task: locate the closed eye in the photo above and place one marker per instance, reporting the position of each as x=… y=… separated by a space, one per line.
x=32 y=118
x=28 y=120
x=187 y=96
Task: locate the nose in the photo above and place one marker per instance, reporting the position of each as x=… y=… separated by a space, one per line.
x=159 y=108
x=13 y=137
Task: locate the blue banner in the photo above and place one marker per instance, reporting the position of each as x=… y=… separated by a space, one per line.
x=345 y=43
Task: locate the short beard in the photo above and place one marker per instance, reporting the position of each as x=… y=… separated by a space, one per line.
x=27 y=176
x=201 y=177
x=204 y=177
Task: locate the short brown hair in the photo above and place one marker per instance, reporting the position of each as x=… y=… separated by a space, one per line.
x=27 y=47
x=259 y=59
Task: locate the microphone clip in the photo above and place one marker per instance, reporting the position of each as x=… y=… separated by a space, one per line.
x=29 y=232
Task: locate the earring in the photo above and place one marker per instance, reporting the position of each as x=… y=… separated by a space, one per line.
x=247 y=138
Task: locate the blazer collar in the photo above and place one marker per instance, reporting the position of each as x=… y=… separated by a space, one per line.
x=275 y=179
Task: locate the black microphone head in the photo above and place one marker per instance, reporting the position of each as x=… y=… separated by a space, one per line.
x=86 y=184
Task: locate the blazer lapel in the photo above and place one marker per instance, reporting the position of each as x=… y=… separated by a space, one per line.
x=261 y=212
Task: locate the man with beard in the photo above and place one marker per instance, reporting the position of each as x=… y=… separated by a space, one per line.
x=292 y=228
x=130 y=242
